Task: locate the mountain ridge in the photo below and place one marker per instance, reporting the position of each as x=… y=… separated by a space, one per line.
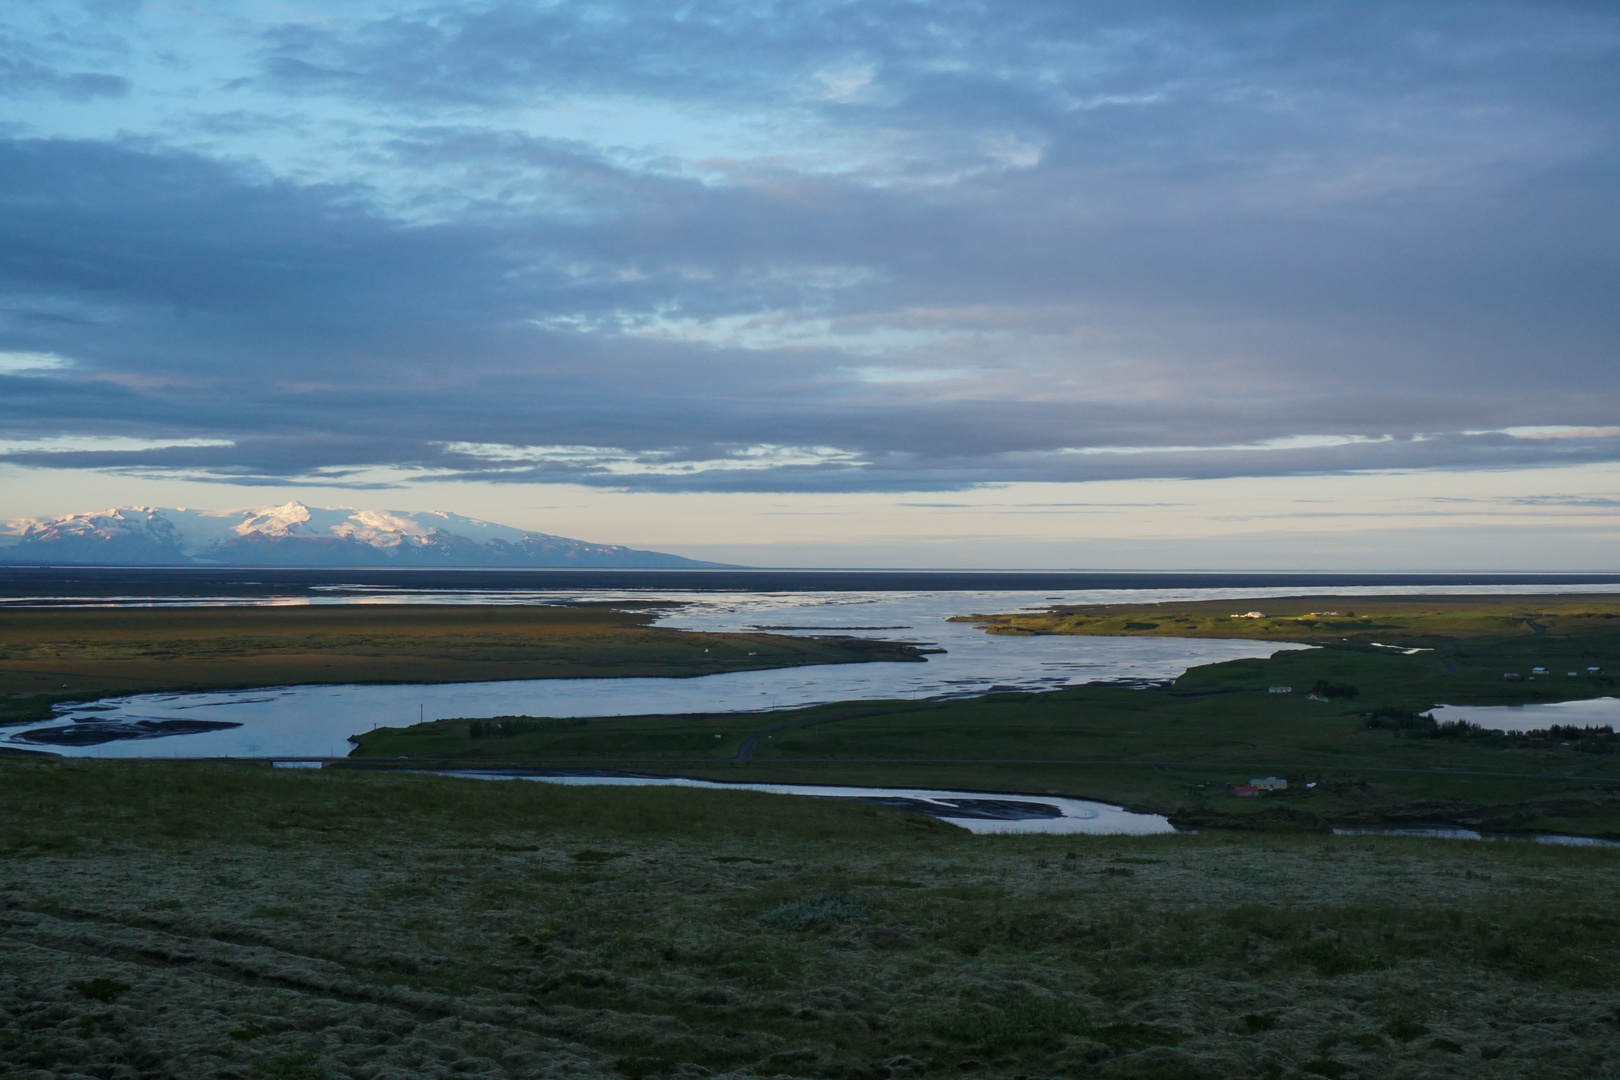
x=295 y=534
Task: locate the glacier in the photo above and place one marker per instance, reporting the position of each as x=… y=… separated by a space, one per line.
x=298 y=535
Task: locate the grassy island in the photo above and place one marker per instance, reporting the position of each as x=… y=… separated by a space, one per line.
x=1416 y=651
x=1326 y=618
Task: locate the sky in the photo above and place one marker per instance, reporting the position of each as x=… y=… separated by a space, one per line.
x=1023 y=284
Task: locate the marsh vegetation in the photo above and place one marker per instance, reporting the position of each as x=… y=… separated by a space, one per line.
x=1363 y=739
x=1480 y=649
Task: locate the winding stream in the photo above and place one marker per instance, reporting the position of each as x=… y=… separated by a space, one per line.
x=975 y=811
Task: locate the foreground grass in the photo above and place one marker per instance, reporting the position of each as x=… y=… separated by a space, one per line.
x=55 y=654
x=235 y=921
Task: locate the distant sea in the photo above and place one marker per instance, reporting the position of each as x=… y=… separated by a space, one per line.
x=59 y=584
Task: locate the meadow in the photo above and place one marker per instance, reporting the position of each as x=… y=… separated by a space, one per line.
x=1477 y=638
x=222 y=920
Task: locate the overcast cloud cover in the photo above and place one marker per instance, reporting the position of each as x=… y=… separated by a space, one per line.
x=873 y=246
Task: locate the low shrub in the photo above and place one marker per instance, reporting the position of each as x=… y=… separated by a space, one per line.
x=101 y=989
x=300 y=1065
x=1015 y=1020
x=592 y=855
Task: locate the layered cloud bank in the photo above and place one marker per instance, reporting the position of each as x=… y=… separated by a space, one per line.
x=299 y=535
x=824 y=247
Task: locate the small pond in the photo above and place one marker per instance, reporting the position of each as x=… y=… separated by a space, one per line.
x=1592 y=712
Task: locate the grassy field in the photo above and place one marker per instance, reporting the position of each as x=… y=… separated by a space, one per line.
x=1153 y=751
x=57 y=654
x=1323 y=619
x=237 y=921
x=1175 y=750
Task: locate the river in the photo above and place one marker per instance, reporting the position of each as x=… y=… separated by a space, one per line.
x=316 y=721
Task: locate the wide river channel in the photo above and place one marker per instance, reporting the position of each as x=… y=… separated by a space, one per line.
x=316 y=721
x=301 y=723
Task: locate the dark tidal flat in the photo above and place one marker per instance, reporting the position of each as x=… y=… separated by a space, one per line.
x=235 y=921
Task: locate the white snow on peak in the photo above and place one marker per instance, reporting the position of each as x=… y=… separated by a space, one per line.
x=379 y=528
x=197 y=531
x=102 y=523
x=273 y=521
x=294 y=534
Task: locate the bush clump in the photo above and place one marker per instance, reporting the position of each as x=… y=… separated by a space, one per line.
x=820 y=911
x=1590 y=740
x=1391 y=718
x=1424 y=726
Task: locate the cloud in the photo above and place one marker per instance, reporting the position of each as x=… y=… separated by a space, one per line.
x=20 y=78
x=50 y=53
x=602 y=461
x=34 y=449
x=1560 y=431
x=17 y=363
x=838 y=247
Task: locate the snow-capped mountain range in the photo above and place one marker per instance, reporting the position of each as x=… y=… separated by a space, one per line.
x=299 y=535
